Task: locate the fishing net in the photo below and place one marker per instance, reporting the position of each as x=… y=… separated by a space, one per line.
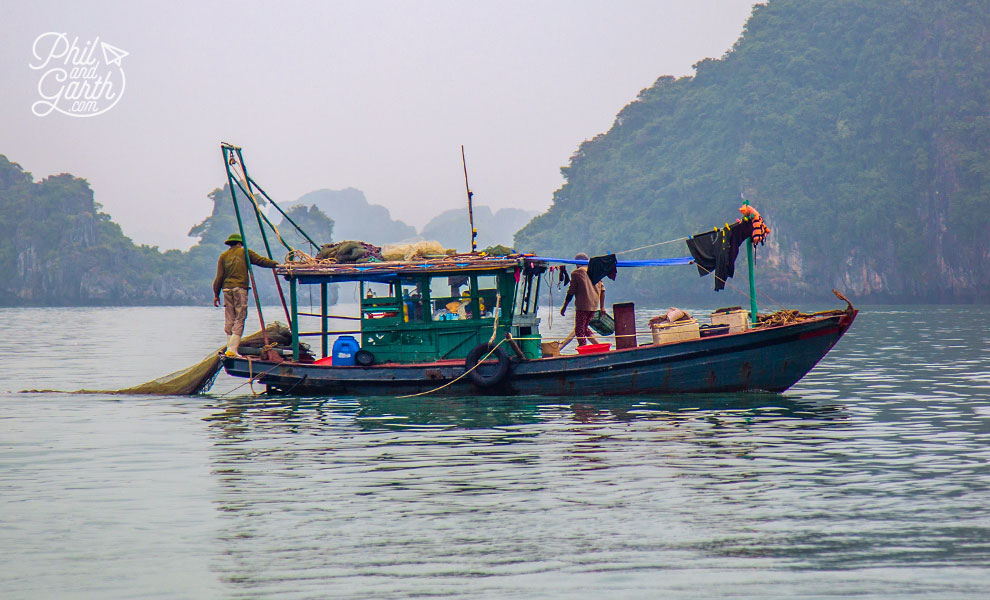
x=416 y=251
x=188 y=381
x=199 y=377
x=350 y=251
x=786 y=317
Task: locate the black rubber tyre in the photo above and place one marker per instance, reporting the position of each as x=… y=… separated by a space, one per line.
x=490 y=378
x=364 y=358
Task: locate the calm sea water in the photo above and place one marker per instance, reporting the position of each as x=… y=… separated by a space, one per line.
x=870 y=478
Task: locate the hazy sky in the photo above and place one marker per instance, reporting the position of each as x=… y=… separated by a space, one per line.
x=373 y=95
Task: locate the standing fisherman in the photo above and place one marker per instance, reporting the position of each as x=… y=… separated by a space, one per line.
x=588 y=299
x=232 y=279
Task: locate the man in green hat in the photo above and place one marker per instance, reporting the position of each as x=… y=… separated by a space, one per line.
x=232 y=279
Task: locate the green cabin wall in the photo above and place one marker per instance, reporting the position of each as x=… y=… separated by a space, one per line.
x=397 y=329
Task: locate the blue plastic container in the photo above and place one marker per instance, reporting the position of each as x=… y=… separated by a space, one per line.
x=343 y=351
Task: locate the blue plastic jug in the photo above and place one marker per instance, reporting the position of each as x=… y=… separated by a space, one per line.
x=343 y=351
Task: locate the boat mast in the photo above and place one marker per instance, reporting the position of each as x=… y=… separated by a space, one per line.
x=470 y=195
x=752 y=274
x=258 y=216
x=228 y=161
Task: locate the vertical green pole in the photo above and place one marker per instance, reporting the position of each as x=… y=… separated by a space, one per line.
x=475 y=301
x=261 y=228
x=323 y=317
x=427 y=300
x=240 y=228
x=257 y=215
x=752 y=276
x=294 y=307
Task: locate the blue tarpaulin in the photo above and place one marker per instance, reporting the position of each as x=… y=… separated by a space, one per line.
x=655 y=262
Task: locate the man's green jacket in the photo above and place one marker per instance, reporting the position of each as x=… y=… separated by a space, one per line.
x=232 y=269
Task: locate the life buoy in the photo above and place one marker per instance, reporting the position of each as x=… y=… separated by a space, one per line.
x=492 y=378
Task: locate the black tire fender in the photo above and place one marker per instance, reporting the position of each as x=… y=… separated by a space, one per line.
x=364 y=358
x=501 y=369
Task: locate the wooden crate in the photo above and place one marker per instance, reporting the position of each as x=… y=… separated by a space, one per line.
x=549 y=349
x=664 y=333
x=737 y=320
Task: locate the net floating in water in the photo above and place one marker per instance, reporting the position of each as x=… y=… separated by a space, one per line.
x=199 y=377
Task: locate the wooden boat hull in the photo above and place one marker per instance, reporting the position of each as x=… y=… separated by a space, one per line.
x=767 y=359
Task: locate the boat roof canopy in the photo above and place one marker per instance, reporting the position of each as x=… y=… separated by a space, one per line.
x=384 y=272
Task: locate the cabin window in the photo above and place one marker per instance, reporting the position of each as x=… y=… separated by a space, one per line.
x=378 y=301
x=524 y=290
x=486 y=294
x=412 y=292
x=450 y=297
x=371 y=289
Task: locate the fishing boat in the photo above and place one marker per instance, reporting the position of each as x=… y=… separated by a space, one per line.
x=468 y=325
x=409 y=345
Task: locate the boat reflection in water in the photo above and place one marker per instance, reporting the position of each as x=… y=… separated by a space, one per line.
x=482 y=412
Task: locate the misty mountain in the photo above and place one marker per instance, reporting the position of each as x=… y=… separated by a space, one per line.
x=452 y=227
x=354 y=218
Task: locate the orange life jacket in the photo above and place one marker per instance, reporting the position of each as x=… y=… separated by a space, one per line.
x=760 y=229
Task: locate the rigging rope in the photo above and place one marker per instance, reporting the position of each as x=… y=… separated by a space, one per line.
x=250 y=380
x=459 y=377
x=242 y=178
x=680 y=239
x=748 y=297
x=495 y=313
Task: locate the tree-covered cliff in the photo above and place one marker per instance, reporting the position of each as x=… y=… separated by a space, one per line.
x=859 y=128
x=59 y=249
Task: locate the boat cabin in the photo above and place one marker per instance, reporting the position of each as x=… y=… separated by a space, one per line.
x=416 y=312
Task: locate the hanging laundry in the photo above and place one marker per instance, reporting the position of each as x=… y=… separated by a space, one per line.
x=600 y=267
x=732 y=239
x=563 y=278
x=704 y=248
x=716 y=251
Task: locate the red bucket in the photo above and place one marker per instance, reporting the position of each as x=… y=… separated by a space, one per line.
x=593 y=348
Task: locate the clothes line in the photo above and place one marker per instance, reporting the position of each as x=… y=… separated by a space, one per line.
x=656 y=262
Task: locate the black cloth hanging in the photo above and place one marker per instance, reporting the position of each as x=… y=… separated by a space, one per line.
x=704 y=248
x=563 y=278
x=716 y=251
x=600 y=267
x=738 y=233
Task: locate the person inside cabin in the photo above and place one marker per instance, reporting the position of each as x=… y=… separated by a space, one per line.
x=232 y=279
x=455 y=282
x=587 y=298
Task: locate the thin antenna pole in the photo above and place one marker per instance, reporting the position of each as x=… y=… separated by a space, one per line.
x=470 y=195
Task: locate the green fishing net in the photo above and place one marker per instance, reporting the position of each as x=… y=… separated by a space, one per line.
x=199 y=377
